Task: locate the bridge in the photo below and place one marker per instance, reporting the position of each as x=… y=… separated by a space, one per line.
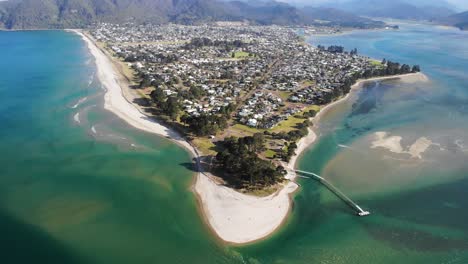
x=334 y=190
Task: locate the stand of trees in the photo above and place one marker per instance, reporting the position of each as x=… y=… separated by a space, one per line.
x=336 y=49
x=204 y=125
x=239 y=158
x=202 y=42
x=388 y=68
x=201 y=125
x=169 y=106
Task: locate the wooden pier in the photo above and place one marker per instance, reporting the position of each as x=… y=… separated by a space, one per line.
x=336 y=191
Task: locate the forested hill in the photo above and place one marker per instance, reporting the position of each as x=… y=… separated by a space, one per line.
x=399 y=9
x=458 y=20
x=27 y=14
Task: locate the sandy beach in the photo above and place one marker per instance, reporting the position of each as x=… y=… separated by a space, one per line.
x=406 y=78
x=234 y=217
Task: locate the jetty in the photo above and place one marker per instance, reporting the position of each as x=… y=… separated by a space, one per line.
x=335 y=190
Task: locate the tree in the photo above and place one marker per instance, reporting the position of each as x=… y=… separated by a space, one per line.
x=239 y=159
x=158 y=96
x=172 y=107
x=196 y=92
x=258 y=142
x=205 y=125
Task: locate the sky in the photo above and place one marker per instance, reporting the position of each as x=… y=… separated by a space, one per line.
x=460 y=3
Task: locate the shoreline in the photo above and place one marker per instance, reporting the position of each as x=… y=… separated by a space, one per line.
x=233 y=217
x=409 y=77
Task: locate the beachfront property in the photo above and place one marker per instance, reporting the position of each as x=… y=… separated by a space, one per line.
x=267 y=71
x=217 y=81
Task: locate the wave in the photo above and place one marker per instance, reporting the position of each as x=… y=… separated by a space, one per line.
x=91 y=80
x=460 y=145
x=82 y=100
x=76 y=117
x=93 y=129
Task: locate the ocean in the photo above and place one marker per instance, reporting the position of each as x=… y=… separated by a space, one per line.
x=78 y=185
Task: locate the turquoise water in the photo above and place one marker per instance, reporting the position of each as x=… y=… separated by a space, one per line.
x=88 y=188
x=419 y=206
x=96 y=191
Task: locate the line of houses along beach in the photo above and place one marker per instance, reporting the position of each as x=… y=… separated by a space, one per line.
x=269 y=72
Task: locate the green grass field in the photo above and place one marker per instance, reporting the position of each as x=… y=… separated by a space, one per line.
x=284 y=95
x=247 y=129
x=288 y=124
x=205 y=145
x=239 y=54
x=376 y=63
x=291 y=123
x=269 y=154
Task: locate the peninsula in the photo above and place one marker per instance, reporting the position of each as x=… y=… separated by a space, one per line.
x=240 y=98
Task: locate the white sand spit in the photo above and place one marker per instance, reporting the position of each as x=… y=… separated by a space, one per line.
x=233 y=216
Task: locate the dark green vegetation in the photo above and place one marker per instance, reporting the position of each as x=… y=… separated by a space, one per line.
x=386 y=68
x=240 y=163
x=205 y=125
x=196 y=43
x=390 y=68
x=170 y=108
x=27 y=14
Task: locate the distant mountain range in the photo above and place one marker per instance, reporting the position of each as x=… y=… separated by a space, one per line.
x=27 y=14
x=458 y=20
x=398 y=9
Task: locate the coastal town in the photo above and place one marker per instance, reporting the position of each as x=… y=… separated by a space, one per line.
x=228 y=84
